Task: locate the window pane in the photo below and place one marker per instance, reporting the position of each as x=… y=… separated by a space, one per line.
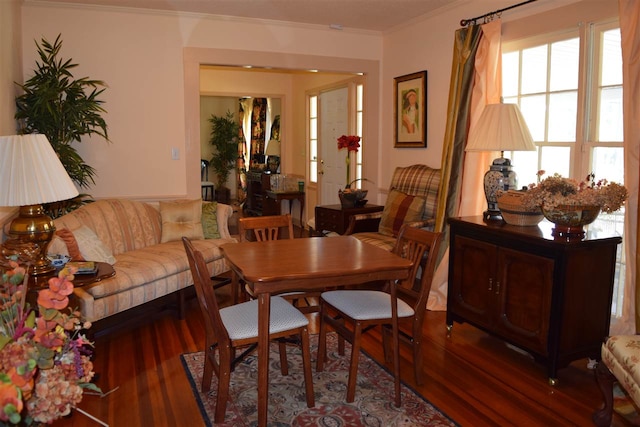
x=313 y=172
x=562 y=117
x=359 y=90
x=525 y=163
x=510 y=74
x=555 y=160
x=534 y=69
x=611 y=58
x=608 y=163
x=610 y=118
x=533 y=109
x=313 y=128
x=564 y=65
x=313 y=106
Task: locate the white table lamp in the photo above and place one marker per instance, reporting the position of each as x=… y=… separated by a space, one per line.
x=501 y=127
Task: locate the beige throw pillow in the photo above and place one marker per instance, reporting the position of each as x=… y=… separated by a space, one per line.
x=92 y=248
x=399 y=209
x=181 y=218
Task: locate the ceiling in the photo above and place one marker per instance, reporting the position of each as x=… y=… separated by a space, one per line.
x=375 y=15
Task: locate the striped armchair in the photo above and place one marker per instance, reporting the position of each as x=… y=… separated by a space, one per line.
x=412 y=198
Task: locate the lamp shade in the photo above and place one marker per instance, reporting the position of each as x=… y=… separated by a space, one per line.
x=273 y=148
x=501 y=127
x=31 y=172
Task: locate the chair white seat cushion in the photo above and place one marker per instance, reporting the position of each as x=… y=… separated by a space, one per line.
x=365 y=305
x=241 y=320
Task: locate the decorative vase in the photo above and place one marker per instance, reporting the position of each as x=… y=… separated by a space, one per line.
x=352 y=198
x=569 y=220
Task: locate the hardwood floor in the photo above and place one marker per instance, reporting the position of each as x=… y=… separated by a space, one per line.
x=472 y=377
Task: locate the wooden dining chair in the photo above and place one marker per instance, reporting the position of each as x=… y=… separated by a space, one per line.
x=352 y=312
x=236 y=326
x=265 y=228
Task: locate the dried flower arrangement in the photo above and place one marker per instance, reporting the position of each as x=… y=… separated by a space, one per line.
x=556 y=190
x=44 y=356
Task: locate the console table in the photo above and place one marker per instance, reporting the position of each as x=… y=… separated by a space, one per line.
x=547 y=296
x=278 y=196
x=335 y=218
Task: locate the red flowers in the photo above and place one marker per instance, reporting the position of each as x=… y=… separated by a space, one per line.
x=350 y=142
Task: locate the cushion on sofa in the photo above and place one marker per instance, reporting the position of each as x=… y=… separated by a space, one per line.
x=400 y=208
x=210 y=220
x=182 y=218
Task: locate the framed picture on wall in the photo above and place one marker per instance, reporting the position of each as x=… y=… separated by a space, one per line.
x=410 y=110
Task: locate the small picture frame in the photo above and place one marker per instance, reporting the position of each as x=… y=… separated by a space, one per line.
x=410 y=110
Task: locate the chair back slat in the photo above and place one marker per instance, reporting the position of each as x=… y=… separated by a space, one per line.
x=421 y=247
x=214 y=328
x=265 y=227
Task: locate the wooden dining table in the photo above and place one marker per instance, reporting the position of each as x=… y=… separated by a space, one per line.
x=278 y=266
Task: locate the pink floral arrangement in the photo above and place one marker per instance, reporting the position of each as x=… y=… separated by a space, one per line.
x=351 y=143
x=556 y=191
x=44 y=358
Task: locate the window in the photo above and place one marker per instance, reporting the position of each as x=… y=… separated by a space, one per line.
x=569 y=88
x=313 y=138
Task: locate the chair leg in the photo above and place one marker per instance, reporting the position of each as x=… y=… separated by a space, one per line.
x=353 y=367
x=284 y=365
x=605 y=380
x=417 y=361
x=207 y=376
x=306 y=364
x=224 y=378
x=322 y=339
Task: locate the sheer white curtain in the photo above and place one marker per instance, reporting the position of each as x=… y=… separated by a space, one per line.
x=629 y=13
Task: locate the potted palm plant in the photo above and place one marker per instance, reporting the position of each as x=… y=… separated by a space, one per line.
x=64 y=109
x=224 y=138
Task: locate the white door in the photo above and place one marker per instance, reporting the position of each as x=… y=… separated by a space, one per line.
x=333 y=123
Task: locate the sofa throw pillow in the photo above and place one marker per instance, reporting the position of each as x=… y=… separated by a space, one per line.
x=91 y=247
x=73 y=250
x=181 y=218
x=399 y=209
x=210 y=220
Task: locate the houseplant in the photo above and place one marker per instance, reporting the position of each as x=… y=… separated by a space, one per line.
x=224 y=138
x=62 y=108
x=570 y=204
x=44 y=357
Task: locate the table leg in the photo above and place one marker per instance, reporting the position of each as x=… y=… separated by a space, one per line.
x=396 y=343
x=264 y=306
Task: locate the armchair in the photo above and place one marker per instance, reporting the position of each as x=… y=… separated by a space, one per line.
x=412 y=199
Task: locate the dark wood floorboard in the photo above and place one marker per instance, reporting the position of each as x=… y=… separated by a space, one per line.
x=472 y=377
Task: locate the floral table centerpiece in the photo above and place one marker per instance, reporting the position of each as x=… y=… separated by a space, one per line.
x=349 y=197
x=571 y=205
x=44 y=357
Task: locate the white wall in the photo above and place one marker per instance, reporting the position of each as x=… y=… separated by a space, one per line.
x=141 y=55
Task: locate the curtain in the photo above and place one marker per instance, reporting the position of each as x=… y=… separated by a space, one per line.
x=465 y=46
x=629 y=11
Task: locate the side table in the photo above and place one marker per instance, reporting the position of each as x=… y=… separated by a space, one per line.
x=278 y=196
x=335 y=218
x=105 y=270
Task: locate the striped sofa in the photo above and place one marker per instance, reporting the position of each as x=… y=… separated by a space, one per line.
x=413 y=189
x=146 y=269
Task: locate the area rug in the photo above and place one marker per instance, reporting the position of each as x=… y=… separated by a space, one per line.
x=373 y=405
x=624 y=406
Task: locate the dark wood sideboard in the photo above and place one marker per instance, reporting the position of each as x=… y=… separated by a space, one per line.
x=549 y=297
